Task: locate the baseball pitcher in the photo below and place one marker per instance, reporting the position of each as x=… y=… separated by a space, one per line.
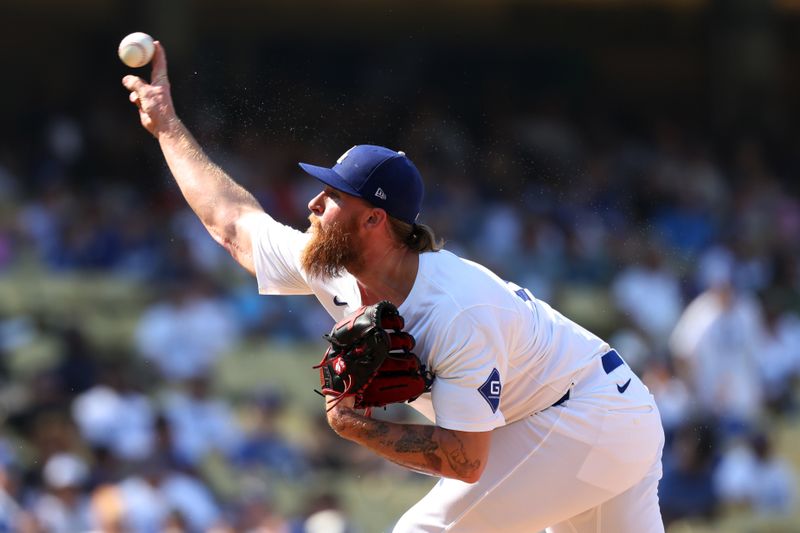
x=535 y=422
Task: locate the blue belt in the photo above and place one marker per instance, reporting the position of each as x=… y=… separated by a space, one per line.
x=611 y=361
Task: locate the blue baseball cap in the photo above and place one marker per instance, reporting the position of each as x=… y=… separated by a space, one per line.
x=383 y=177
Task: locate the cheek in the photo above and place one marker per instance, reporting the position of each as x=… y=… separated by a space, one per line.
x=320 y=220
x=333 y=213
x=324 y=222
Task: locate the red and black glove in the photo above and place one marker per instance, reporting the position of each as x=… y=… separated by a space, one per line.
x=370 y=357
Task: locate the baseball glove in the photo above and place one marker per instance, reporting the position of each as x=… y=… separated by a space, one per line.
x=370 y=357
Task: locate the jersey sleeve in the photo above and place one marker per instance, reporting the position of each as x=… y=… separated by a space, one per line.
x=469 y=363
x=276 y=255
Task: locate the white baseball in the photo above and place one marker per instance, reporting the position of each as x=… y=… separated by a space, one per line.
x=136 y=49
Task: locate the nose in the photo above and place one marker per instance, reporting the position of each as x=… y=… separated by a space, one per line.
x=317 y=204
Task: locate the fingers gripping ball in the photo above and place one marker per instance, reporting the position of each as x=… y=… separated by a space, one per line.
x=136 y=49
x=370 y=357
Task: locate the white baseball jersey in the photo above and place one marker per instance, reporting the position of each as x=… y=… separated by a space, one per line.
x=498 y=353
x=501 y=360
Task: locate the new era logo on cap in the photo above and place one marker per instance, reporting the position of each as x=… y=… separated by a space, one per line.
x=383 y=177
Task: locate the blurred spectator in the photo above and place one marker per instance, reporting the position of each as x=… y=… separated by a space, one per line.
x=158 y=496
x=264 y=447
x=204 y=251
x=751 y=475
x=107 y=467
x=167 y=449
x=185 y=334
x=90 y=241
x=687 y=489
x=64 y=506
x=327 y=521
x=40 y=219
x=500 y=233
x=779 y=357
x=13 y=518
x=141 y=256
x=649 y=293
x=326 y=515
x=201 y=423
x=672 y=396
x=256 y=513
x=65 y=139
x=686 y=216
x=45 y=421
x=716 y=346
x=107 y=508
x=78 y=367
x=113 y=415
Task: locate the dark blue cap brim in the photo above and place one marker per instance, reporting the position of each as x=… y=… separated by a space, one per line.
x=329 y=177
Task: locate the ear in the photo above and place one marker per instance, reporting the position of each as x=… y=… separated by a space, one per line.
x=375 y=218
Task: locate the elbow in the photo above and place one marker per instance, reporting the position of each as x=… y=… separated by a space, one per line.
x=474 y=475
x=221 y=234
x=469 y=472
x=227 y=225
x=467 y=454
x=229 y=233
x=227 y=240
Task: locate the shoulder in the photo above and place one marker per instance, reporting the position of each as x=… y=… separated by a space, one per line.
x=463 y=285
x=452 y=294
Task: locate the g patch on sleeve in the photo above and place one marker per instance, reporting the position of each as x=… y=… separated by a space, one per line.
x=490 y=390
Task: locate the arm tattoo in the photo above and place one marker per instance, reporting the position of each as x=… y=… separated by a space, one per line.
x=377 y=431
x=417 y=440
x=458 y=459
x=427 y=449
x=420 y=440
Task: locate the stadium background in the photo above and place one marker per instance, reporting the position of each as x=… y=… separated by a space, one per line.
x=619 y=158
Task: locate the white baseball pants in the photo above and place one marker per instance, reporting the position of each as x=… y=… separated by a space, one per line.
x=591 y=464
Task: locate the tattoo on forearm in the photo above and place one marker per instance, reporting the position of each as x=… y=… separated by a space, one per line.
x=434 y=461
x=378 y=430
x=421 y=440
x=458 y=459
x=435 y=445
x=417 y=440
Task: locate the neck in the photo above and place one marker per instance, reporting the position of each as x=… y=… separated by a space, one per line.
x=390 y=278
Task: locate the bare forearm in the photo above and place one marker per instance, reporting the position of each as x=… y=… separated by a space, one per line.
x=219 y=202
x=209 y=191
x=428 y=449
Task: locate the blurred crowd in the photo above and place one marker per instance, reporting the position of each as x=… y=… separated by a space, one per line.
x=681 y=250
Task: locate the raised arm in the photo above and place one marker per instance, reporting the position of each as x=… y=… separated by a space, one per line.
x=219 y=202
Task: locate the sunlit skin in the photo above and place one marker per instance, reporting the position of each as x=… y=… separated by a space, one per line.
x=423 y=448
x=384 y=270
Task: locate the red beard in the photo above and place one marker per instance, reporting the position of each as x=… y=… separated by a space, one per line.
x=332 y=250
